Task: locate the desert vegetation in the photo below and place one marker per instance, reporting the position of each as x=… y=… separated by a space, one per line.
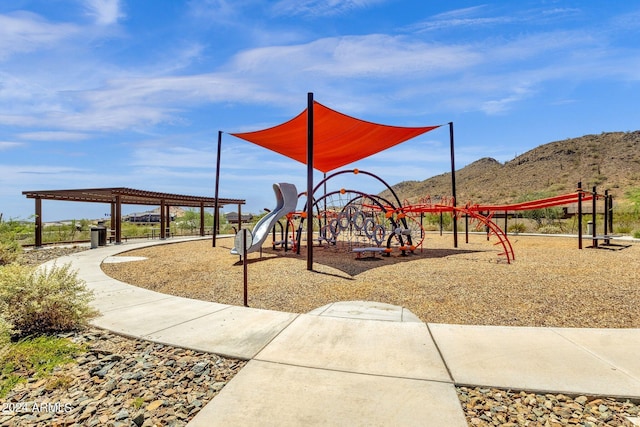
x=36 y=305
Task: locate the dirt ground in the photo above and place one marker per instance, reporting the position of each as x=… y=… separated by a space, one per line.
x=550 y=283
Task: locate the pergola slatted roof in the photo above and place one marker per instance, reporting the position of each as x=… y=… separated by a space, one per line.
x=129 y=196
x=118 y=196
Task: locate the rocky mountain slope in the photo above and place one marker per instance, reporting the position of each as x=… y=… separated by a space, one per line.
x=610 y=161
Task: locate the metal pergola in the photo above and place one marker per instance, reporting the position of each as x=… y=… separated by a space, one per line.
x=118 y=196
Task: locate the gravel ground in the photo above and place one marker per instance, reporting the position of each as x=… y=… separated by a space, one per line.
x=551 y=283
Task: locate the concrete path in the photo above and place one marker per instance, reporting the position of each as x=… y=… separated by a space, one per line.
x=358 y=363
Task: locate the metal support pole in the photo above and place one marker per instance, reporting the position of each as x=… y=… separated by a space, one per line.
x=610 y=207
x=453 y=186
x=593 y=217
x=466 y=227
x=605 y=221
x=216 y=213
x=486 y=226
x=244 y=266
x=580 y=215
x=506 y=216
x=310 y=181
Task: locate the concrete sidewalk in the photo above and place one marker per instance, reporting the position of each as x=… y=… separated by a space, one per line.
x=358 y=363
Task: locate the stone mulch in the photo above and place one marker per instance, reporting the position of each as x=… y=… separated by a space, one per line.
x=120 y=382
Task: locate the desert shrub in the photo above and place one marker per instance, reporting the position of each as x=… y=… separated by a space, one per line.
x=10 y=251
x=6 y=328
x=44 y=300
x=636 y=234
x=517 y=228
x=430 y=227
x=550 y=229
x=623 y=229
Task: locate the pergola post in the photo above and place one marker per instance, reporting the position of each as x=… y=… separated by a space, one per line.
x=201 y=218
x=239 y=217
x=118 y=219
x=310 y=181
x=168 y=220
x=112 y=216
x=162 y=221
x=38 y=242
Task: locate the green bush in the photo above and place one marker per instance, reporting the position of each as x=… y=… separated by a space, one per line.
x=44 y=300
x=517 y=228
x=6 y=328
x=550 y=229
x=10 y=251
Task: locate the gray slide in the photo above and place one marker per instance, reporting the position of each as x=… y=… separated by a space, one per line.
x=287 y=200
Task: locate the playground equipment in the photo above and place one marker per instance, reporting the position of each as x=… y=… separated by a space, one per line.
x=286 y=201
x=366 y=223
x=371 y=224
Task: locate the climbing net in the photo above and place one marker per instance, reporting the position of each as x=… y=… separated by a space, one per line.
x=349 y=218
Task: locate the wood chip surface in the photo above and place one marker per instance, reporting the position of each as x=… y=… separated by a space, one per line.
x=550 y=283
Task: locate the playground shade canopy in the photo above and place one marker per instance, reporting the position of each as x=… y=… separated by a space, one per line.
x=338 y=139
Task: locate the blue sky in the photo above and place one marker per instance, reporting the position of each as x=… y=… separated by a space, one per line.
x=132 y=93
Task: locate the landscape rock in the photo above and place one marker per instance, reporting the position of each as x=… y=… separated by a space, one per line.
x=106 y=390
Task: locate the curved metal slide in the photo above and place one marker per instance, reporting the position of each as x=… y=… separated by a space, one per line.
x=286 y=201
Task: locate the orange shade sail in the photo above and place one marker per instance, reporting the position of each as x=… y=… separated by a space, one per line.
x=338 y=139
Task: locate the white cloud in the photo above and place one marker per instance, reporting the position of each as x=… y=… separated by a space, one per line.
x=216 y=11
x=22 y=32
x=105 y=12
x=321 y=7
x=351 y=72
x=7 y=145
x=53 y=136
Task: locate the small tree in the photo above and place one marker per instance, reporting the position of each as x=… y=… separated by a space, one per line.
x=189 y=221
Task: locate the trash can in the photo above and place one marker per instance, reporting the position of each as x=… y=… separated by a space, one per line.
x=98 y=237
x=95 y=237
x=102 y=236
x=589 y=228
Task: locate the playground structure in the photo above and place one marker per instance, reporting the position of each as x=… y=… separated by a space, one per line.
x=364 y=223
x=354 y=221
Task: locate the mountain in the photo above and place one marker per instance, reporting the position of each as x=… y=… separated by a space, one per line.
x=610 y=161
